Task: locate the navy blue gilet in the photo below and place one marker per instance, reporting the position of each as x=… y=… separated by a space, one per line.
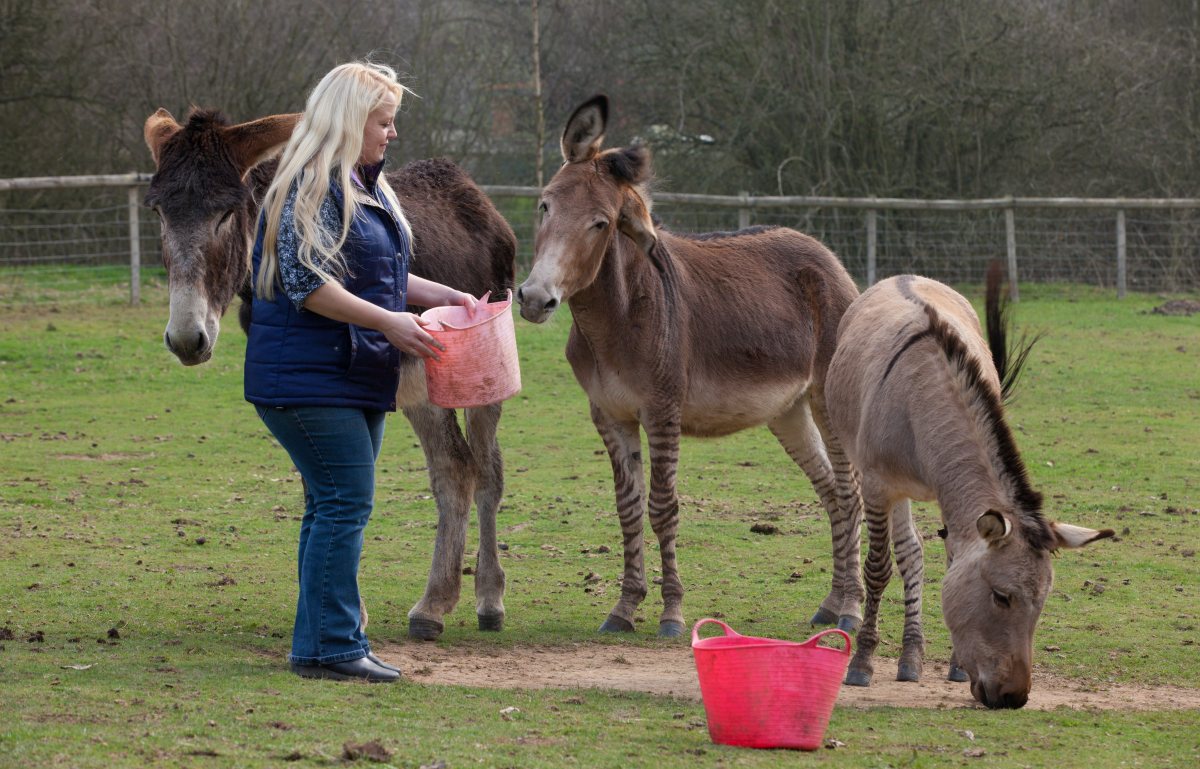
x=296 y=357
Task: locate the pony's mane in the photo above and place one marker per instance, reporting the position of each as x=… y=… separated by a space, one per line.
x=1028 y=500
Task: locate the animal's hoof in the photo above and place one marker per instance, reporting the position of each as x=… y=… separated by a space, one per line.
x=958 y=675
x=669 y=628
x=491 y=622
x=424 y=629
x=857 y=678
x=907 y=671
x=615 y=624
x=849 y=623
x=823 y=617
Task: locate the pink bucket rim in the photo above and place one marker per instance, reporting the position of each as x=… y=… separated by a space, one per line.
x=751 y=642
x=485 y=312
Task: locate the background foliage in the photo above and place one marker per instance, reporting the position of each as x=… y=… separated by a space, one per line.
x=921 y=98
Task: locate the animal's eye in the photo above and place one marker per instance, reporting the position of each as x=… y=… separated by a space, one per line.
x=600 y=225
x=1000 y=599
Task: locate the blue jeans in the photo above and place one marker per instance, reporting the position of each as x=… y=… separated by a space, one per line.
x=335 y=450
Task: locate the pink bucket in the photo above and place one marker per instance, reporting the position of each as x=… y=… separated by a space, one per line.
x=479 y=365
x=764 y=693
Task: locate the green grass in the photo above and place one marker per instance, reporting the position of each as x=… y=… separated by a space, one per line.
x=148 y=523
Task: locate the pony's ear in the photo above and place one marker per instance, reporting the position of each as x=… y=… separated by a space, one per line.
x=159 y=127
x=635 y=222
x=630 y=165
x=1071 y=537
x=585 y=130
x=253 y=142
x=993 y=526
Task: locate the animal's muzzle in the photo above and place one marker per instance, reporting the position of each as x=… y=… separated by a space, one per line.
x=191 y=349
x=537 y=305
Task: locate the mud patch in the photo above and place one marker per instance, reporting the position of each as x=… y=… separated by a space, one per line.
x=670 y=671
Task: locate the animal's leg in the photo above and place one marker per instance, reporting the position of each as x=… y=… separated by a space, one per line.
x=911 y=561
x=847 y=536
x=489 y=489
x=624 y=445
x=662 y=435
x=955 y=673
x=878 y=573
x=799 y=435
x=452 y=480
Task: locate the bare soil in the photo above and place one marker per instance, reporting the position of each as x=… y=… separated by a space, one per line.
x=670 y=671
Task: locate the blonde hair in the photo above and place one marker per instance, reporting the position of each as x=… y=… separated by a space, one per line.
x=326 y=144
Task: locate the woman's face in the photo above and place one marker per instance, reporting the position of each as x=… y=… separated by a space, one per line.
x=380 y=129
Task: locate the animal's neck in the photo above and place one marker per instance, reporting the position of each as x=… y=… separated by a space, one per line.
x=626 y=301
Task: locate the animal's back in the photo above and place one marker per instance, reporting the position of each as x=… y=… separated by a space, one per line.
x=460 y=238
x=883 y=376
x=740 y=280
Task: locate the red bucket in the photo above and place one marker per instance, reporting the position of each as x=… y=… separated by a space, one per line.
x=479 y=365
x=764 y=693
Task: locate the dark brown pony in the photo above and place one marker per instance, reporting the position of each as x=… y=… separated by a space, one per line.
x=686 y=335
x=207 y=189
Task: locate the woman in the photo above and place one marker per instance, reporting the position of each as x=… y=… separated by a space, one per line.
x=331 y=284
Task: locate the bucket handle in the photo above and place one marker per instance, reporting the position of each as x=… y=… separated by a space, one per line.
x=696 y=629
x=731 y=633
x=812 y=642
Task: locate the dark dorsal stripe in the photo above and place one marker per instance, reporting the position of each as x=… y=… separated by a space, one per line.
x=1028 y=500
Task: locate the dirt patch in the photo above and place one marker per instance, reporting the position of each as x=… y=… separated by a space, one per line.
x=670 y=671
x=1185 y=307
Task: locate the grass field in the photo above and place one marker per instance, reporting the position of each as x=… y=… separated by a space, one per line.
x=148 y=523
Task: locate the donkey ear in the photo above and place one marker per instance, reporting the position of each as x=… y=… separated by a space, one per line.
x=1071 y=537
x=253 y=142
x=635 y=222
x=993 y=526
x=585 y=130
x=159 y=127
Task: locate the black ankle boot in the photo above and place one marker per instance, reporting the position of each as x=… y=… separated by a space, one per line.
x=361 y=669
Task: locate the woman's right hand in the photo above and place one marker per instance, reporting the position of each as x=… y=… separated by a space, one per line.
x=406 y=332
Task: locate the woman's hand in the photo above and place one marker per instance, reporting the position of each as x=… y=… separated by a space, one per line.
x=406 y=332
x=427 y=293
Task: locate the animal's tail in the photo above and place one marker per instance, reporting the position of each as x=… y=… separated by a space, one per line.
x=1009 y=360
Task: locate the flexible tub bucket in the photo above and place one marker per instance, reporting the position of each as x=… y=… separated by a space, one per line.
x=479 y=365
x=764 y=693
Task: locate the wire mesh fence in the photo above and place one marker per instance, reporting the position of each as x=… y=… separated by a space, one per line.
x=68 y=234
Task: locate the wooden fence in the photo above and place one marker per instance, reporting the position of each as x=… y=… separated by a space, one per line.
x=1173 y=241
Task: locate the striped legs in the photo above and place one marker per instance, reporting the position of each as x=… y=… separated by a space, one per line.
x=663 y=437
x=623 y=441
x=884 y=526
x=837 y=485
x=910 y=559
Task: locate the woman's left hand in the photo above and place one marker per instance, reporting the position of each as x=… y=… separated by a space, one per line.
x=465 y=300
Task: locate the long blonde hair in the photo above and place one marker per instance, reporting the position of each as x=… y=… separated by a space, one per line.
x=326 y=143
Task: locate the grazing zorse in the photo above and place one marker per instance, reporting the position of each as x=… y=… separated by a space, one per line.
x=209 y=180
x=678 y=335
x=916 y=395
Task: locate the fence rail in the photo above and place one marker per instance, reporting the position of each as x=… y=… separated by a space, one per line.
x=1123 y=243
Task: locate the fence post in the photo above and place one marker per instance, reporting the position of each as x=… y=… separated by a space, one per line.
x=871 y=240
x=135 y=248
x=1121 y=253
x=744 y=211
x=1010 y=236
